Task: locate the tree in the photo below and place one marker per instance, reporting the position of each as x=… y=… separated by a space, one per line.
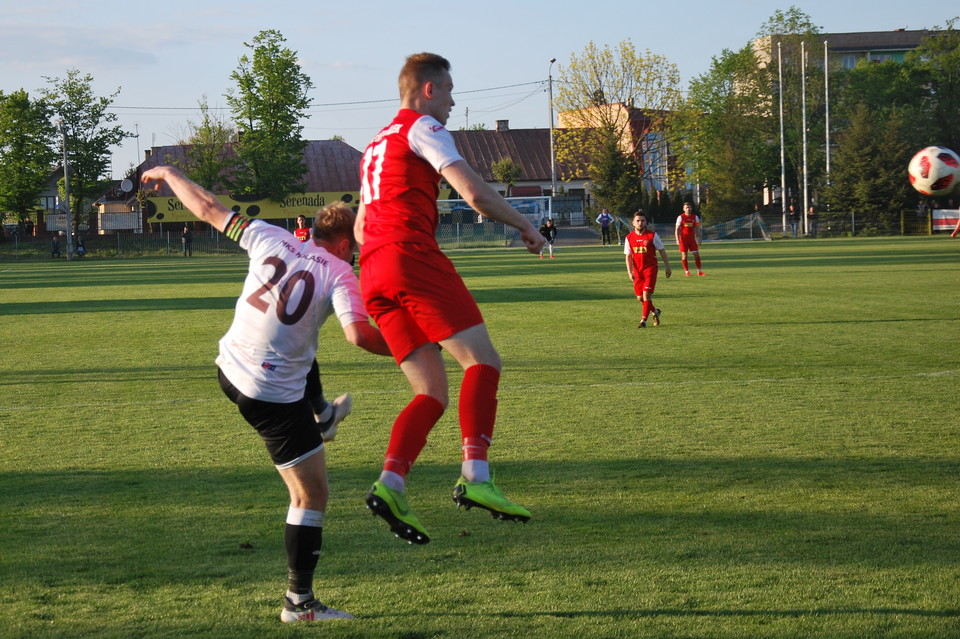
x=268 y=103
x=868 y=173
x=209 y=156
x=89 y=136
x=616 y=182
x=725 y=129
x=619 y=93
x=795 y=33
x=504 y=170
x=27 y=152
x=938 y=59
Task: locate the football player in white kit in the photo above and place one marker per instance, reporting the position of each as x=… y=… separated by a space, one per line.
x=265 y=356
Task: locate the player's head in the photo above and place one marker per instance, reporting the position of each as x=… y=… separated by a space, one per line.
x=549 y=221
x=640 y=220
x=426 y=85
x=687 y=207
x=301 y=221
x=333 y=228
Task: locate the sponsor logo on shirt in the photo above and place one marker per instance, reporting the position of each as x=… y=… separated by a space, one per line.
x=267 y=366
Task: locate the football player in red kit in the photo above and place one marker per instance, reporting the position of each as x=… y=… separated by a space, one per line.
x=689 y=235
x=642 y=266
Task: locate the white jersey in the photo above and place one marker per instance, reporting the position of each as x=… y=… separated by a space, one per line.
x=290 y=290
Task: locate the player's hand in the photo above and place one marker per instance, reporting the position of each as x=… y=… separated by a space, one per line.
x=533 y=240
x=954 y=234
x=669 y=272
x=154 y=177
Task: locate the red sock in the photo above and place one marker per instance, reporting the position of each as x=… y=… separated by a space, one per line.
x=409 y=434
x=696 y=258
x=478 y=409
x=647 y=305
x=683 y=261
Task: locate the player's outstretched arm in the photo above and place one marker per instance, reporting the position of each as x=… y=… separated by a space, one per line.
x=956 y=230
x=197 y=199
x=358 y=223
x=489 y=203
x=367 y=337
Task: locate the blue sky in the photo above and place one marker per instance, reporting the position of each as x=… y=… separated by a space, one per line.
x=165 y=56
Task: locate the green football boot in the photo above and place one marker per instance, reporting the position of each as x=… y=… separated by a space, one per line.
x=485 y=494
x=392 y=506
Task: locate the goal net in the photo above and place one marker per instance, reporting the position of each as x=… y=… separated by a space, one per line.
x=462 y=227
x=748 y=227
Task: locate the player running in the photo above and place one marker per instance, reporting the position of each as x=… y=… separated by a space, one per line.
x=638 y=247
x=689 y=236
x=290 y=290
x=419 y=301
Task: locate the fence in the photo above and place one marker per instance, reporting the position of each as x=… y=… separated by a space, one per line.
x=120 y=245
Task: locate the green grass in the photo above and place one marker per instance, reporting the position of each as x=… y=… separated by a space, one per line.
x=779 y=459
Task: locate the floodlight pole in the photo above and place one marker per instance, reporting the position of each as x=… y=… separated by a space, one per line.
x=66 y=188
x=783 y=164
x=553 y=155
x=803 y=101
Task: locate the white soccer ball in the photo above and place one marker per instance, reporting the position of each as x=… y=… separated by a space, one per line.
x=934 y=171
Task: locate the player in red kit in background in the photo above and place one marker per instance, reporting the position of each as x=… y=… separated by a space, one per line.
x=417 y=298
x=689 y=235
x=638 y=247
x=302 y=232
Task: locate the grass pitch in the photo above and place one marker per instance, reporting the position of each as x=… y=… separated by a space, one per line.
x=778 y=459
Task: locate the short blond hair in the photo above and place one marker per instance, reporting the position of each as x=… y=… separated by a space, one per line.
x=334 y=221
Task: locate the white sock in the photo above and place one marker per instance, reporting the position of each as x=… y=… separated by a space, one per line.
x=475 y=470
x=299 y=599
x=392 y=480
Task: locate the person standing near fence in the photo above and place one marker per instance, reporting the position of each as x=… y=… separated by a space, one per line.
x=419 y=301
x=302 y=232
x=264 y=359
x=549 y=233
x=689 y=236
x=604 y=220
x=812 y=220
x=186 y=241
x=793 y=219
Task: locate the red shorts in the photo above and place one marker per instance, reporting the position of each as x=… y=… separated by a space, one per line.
x=687 y=244
x=415 y=296
x=646 y=280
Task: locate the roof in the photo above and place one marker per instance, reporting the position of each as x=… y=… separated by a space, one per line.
x=332 y=165
x=528 y=148
x=874 y=40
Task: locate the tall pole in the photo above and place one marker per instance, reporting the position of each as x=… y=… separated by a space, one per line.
x=803 y=88
x=783 y=163
x=826 y=96
x=553 y=155
x=66 y=189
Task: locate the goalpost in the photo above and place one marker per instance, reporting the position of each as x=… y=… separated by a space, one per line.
x=462 y=227
x=748 y=227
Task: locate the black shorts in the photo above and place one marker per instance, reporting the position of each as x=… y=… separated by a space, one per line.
x=289 y=431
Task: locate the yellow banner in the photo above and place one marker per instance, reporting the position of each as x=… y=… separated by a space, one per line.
x=171 y=209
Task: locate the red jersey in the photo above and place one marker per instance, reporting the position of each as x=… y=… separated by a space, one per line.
x=643 y=247
x=302 y=234
x=687 y=224
x=400 y=180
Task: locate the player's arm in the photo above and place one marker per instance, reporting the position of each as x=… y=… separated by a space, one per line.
x=489 y=203
x=194 y=197
x=956 y=230
x=630 y=267
x=666 y=262
x=358 y=223
x=676 y=229
x=367 y=337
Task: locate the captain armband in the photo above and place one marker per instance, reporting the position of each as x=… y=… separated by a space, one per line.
x=236 y=226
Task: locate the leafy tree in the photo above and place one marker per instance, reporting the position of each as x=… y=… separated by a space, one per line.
x=504 y=170
x=268 y=103
x=795 y=33
x=89 y=136
x=868 y=170
x=618 y=92
x=938 y=60
x=725 y=126
x=27 y=152
x=209 y=156
x=616 y=182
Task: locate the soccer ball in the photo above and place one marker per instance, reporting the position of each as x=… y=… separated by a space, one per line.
x=934 y=171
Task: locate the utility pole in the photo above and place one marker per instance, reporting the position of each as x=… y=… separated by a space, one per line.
x=553 y=155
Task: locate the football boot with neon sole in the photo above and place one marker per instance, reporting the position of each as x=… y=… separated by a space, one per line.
x=392 y=506
x=485 y=494
x=311 y=610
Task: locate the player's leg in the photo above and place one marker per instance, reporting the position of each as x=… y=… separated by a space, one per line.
x=327 y=414
x=427 y=375
x=474 y=351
